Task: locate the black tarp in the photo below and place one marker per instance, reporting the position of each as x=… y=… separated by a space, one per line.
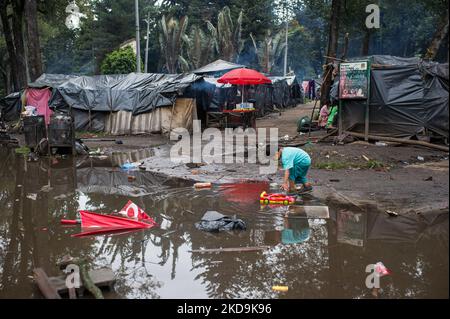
x=136 y=93
x=217 y=68
x=11 y=107
x=282 y=93
x=408 y=96
x=95 y=96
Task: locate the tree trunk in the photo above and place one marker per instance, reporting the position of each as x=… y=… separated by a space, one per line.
x=33 y=44
x=345 y=51
x=331 y=53
x=439 y=36
x=9 y=44
x=17 y=27
x=366 y=43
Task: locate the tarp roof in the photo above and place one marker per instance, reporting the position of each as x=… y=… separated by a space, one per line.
x=218 y=66
x=135 y=92
x=407 y=97
x=51 y=80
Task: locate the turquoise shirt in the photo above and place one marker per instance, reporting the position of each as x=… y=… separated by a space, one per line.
x=292 y=156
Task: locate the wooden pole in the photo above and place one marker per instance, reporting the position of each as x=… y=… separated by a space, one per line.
x=400 y=140
x=366 y=138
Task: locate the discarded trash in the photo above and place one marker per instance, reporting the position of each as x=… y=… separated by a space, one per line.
x=131 y=210
x=335 y=180
x=131 y=178
x=391 y=213
x=273 y=185
x=280 y=288
x=100 y=224
x=46 y=188
x=429 y=179
x=380 y=144
x=202 y=185
x=119 y=142
x=420 y=158
x=32 y=196
x=366 y=158
x=286 y=138
x=381 y=269
x=97 y=152
x=279 y=199
x=215 y=221
x=128 y=166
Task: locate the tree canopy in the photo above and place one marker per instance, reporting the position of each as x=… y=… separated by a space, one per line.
x=245 y=31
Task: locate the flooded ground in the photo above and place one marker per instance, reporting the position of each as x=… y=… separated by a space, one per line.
x=315 y=258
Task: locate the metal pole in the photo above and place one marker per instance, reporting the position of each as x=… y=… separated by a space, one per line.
x=286 y=50
x=138 y=42
x=147 y=43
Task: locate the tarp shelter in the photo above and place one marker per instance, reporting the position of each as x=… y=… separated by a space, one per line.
x=287 y=91
x=123 y=104
x=283 y=92
x=408 y=97
x=11 y=106
x=217 y=68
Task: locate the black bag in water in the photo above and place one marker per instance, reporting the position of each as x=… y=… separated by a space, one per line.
x=214 y=221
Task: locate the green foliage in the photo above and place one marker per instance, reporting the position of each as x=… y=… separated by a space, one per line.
x=270 y=50
x=121 y=61
x=172 y=39
x=228 y=35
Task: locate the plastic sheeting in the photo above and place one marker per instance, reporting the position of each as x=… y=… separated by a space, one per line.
x=214 y=221
x=408 y=96
x=217 y=67
x=39 y=99
x=161 y=120
x=136 y=93
x=283 y=92
x=11 y=106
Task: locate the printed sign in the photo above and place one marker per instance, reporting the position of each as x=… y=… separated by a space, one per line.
x=354 y=80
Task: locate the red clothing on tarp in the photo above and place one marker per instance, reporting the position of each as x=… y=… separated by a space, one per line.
x=39 y=99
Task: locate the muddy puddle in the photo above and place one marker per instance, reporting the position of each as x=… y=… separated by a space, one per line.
x=314 y=257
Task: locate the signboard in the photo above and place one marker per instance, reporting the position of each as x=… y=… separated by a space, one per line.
x=354 y=80
x=351 y=228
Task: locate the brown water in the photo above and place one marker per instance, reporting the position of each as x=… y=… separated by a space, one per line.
x=328 y=260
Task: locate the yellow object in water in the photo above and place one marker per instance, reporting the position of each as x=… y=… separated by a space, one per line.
x=280 y=288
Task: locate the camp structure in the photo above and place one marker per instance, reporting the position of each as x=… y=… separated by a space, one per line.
x=408 y=98
x=118 y=104
x=217 y=68
x=282 y=93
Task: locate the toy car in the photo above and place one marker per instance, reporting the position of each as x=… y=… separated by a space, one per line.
x=279 y=199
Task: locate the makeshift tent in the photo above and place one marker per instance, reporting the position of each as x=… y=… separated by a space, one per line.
x=106 y=101
x=11 y=106
x=283 y=92
x=408 y=97
x=217 y=68
x=287 y=92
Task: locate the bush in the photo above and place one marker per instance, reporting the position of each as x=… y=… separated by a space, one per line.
x=121 y=61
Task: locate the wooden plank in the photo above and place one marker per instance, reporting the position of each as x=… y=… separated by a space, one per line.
x=45 y=285
x=236 y=249
x=100 y=277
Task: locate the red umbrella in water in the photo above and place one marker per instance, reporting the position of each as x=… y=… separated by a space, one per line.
x=244 y=77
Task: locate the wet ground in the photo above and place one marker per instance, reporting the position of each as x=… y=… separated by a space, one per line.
x=315 y=258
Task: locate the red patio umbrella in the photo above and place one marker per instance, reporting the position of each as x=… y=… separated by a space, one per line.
x=244 y=77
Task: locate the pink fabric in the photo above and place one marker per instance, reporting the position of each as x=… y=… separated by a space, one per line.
x=305 y=85
x=324 y=116
x=39 y=99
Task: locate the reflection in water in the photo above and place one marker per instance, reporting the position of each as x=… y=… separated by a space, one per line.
x=315 y=258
